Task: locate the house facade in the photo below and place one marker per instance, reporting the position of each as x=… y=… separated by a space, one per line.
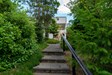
x=62 y=22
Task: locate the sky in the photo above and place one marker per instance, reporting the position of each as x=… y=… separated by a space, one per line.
x=63 y=10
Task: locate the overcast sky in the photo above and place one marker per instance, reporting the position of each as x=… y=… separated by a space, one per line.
x=63 y=10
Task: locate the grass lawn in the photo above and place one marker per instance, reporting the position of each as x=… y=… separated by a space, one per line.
x=26 y=68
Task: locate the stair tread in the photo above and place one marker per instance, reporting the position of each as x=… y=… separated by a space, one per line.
x=52 y=66
x=53 y=57
x=53 y=50
x=51 y=74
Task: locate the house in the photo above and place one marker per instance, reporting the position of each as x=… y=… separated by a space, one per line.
x=62 y=22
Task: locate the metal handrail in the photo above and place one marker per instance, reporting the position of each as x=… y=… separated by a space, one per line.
x=84 y=68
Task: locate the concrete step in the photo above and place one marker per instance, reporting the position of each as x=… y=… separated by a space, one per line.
x=53 y=58
x=50 y=74
x=53 y=52
x=52 y=68
x=53 y=49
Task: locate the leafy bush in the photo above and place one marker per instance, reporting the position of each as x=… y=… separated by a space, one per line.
x=26 y=67
x=53 y=28
x=52 y=41
x=91 y=33
x=17 y=35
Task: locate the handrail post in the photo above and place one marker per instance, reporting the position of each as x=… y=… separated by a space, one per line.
x=73 y=67
x=63 y=43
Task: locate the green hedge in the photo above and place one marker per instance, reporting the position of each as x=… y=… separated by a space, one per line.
x=26 y=67
x=17 y=35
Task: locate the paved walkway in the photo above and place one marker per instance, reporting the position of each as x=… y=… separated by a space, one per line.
x=53 y=62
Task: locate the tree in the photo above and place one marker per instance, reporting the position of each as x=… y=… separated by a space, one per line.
x=43 y=11
x=53 y=28
x=92 y=30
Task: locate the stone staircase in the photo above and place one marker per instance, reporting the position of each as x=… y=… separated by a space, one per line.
x=53 y=62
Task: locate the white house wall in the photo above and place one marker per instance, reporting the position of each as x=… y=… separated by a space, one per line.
x=61 y=20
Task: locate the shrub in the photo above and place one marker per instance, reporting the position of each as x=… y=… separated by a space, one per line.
x=52 y=41
x=26 y=67
x=91 y=33
x=17 y=36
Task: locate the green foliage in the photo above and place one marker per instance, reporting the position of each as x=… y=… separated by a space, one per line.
x=46 y=10
x=6 y=6
x=39 y=32
x=53 y=28
x=104 y=73
x=26 y=67
x=52 y=41
x=90 y=33
x=61 y=44
x=17 y=35
x=42 y=11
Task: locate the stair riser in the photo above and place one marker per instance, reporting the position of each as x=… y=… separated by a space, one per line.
x=52 y=53
x=51 y=74
x=51 y=71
